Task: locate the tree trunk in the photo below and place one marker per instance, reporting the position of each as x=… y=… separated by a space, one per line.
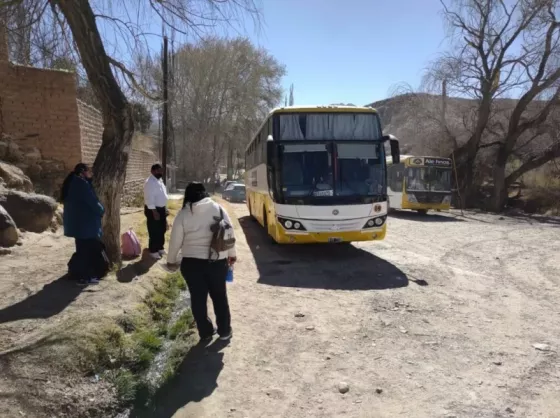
x=499 y=199
x=465 y=176
x=118 y=126
x=230 y=161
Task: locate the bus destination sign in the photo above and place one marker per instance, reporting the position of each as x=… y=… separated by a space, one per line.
x=437 y=162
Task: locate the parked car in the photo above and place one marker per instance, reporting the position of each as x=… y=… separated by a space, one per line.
x=235 y=192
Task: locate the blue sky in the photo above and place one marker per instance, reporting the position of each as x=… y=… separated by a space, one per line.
x=351 y=50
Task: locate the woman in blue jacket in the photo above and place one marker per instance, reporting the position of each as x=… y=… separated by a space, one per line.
x=82 y=221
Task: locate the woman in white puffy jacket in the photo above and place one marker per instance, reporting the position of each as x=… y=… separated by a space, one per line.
x=204 y=275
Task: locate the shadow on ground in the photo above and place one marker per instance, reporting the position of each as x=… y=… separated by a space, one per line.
x=136 y=269
x=534 y=219
x=323 y=266
x=429 y=217
x=52 y=299
x=195 y=380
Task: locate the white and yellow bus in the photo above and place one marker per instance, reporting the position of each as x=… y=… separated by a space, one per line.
x=420 y=183
x=318 y=175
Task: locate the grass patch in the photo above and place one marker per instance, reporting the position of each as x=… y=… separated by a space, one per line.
x=184 y=324
x=123 y=349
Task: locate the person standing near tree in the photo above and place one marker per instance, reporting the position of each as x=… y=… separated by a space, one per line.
x=82 y=221
x=155 y=209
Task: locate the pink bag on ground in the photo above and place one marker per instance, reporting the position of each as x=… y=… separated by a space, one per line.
x=130 y=246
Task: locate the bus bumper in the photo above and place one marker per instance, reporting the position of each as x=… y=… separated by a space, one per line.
x=426 y=206
x=304 y=237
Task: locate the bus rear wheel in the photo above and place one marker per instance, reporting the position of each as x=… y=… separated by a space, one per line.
x=422 y=211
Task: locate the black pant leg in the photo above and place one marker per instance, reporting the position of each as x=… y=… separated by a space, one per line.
x=153 y=234
x=87 y=250
x=193 y=271
x=216 y=280
x=162 y=228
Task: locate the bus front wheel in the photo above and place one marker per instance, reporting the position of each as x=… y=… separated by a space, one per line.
x=422 y=211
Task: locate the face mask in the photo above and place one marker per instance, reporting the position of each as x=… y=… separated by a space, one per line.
x=158 y=175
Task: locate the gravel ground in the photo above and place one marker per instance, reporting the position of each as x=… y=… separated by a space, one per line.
x=450 y=316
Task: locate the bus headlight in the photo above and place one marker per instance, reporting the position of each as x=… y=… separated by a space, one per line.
x=375 y=222
x=412 y=198
x=290 y=224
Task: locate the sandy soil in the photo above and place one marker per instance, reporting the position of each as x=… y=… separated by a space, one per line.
x=438 y=320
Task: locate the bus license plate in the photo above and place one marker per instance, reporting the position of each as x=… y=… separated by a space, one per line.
x=335 y=240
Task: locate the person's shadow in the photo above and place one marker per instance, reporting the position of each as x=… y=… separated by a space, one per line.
x=133 y=270
x=52 y=299
x=195 y=380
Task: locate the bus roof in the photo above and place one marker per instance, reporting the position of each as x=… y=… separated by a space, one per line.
x=313 y=109
x=322 y=109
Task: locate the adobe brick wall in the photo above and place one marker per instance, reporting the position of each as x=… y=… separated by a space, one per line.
x=91 y=131
x=139 y=162
x=41 y=105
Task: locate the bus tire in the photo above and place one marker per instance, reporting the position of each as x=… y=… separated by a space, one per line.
x=422 y=211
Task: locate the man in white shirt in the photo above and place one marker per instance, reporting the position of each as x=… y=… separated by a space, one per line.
x=155 y=209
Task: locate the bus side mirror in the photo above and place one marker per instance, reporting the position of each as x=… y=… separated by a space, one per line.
x=270 y=151
x=395 y=151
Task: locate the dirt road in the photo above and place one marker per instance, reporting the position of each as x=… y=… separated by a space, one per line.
x=438 y=320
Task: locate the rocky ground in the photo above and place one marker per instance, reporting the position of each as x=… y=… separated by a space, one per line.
x=450 y=316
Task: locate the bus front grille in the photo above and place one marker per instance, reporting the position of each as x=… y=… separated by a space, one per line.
x=429 y=197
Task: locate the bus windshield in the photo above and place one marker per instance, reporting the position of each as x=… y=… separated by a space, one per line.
x=312 y=170
x=426 y=179
x=360 y=171
x=307 y=170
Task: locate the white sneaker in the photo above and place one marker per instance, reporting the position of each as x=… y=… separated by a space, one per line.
x=226 y=337
x=155 y=256
x=162 y=252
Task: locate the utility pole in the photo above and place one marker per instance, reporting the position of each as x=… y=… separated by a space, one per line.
x=443 y=103
x=165 y=113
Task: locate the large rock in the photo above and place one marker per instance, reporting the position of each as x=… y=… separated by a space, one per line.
x=8 y=230
x=14 y=178
x=31 y=212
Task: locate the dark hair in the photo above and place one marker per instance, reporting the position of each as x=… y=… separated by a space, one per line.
x=156 y=166
x=194 y=192
x=78 y=170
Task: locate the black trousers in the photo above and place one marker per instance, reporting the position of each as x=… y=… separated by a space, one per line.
x=156 y=228
x=87 y=254
x=205 y=278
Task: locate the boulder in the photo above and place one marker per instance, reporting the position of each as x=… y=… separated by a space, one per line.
x=14 y=178
x=31 y=212
x=8 y=230
x=15 y=155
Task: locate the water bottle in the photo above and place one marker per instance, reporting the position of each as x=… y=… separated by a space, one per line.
x=229 y=277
